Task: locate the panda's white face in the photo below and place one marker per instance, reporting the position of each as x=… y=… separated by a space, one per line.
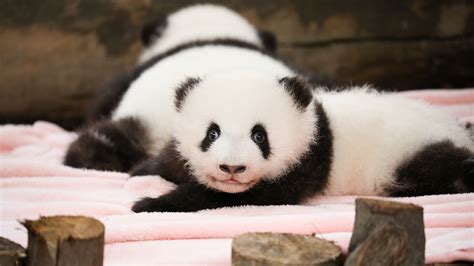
x=236 y=129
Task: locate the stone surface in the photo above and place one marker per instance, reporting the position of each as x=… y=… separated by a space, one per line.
x=284 y=249
x=54 y=54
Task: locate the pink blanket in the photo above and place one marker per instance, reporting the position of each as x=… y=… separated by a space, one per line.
x=33 y=182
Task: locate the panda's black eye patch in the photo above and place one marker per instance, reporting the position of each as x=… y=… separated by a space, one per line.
x=259 y=136
x=212 y=134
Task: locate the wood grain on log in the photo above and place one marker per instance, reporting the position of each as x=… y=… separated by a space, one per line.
x=284 y=249
x=11 y=253
x=65 y=240
x=391 y=233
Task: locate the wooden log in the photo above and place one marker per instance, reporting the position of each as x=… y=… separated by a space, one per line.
x=284 y=249
x=387 y=245
x=387 y=232
x=11 y=253
x=65 y=240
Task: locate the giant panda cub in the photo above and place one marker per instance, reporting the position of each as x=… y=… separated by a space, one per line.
x=267 y=141
x=231 y=125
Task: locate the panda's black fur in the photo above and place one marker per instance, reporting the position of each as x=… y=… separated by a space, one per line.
x=436 y=169
x=108 y=145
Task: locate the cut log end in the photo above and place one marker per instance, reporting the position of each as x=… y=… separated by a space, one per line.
x=65 y=240
x=63 y=227
x=284 y=249
x=11 y=253
x=387 y=207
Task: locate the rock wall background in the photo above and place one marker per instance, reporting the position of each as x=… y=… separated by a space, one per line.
x=55 y=53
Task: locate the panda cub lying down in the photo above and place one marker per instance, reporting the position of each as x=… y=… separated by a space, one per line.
x=211 y=109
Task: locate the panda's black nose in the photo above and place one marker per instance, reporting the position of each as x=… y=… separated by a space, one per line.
x=232 y=169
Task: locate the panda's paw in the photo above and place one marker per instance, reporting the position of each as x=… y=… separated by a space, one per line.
x=153 y=205
x=93 y=150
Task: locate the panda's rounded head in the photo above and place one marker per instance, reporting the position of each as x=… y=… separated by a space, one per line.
x=201 y=22
x=237 y=129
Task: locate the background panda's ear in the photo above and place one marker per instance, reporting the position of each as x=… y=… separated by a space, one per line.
x=153 y=30
x=268 y=40
x=183 y=90
x=299 y=90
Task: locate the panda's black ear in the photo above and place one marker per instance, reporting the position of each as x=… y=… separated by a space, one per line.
x=153 y=30
x=183 y=90
x=268 y=40
x=299 y=90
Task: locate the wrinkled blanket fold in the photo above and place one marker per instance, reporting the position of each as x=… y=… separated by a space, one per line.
x=33 y=182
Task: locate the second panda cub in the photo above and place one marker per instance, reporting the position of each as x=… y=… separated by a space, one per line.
x=243 y=138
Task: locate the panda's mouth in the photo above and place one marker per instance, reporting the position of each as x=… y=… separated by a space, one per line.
x=231 y=180
x=230 y=185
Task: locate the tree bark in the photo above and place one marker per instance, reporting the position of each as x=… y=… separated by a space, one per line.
x=65 y=240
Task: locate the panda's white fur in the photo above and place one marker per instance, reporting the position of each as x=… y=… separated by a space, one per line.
x=374 y=133
x=201 y=22
x=237 y=101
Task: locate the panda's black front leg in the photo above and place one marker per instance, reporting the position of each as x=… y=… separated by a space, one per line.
x=192 y=196
x=187 y=197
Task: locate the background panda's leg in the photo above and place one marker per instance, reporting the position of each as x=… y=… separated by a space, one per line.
x=168 y=164
x=109 y=145
x=437 y=169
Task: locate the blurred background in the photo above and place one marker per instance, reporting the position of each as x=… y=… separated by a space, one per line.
x=54 y=54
